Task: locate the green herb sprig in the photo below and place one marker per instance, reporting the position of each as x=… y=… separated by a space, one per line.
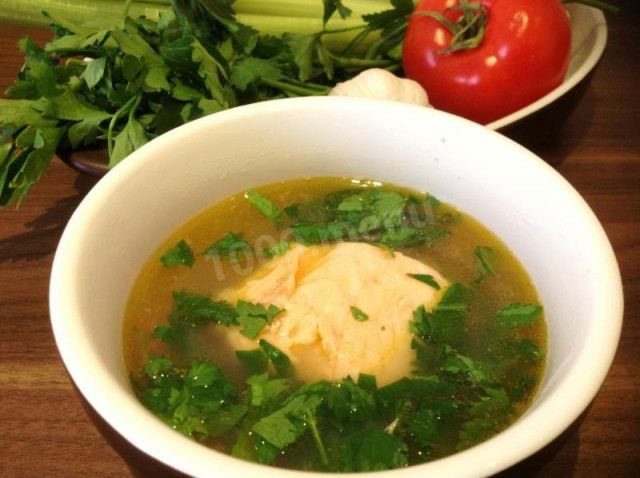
x=121 y=82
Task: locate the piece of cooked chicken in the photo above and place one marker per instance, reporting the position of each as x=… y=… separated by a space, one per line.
x=317 y=286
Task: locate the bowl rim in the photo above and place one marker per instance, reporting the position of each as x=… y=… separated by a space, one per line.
x=599 y=25
x=602 y=340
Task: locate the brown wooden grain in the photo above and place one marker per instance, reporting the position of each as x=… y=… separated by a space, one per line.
x=45 y=430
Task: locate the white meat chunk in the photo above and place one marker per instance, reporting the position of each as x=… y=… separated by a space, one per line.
x=317 y=286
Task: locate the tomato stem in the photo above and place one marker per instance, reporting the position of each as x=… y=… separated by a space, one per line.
x=468 y=30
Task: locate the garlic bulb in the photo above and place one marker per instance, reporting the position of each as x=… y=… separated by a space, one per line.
x=381 y=84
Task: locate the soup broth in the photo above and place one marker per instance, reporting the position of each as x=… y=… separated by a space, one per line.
x=477 y=350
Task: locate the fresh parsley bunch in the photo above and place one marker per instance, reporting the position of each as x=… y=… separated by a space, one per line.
x=120 y=83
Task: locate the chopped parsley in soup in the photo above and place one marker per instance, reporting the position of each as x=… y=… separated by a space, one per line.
x=335 y=324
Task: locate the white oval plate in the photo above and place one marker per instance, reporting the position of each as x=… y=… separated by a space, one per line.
x=588 y=39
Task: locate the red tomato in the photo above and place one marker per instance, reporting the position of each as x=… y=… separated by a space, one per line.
x=523 y=56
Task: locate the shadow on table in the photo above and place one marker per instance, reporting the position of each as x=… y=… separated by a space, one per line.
x=556 y=130
x=45 y=230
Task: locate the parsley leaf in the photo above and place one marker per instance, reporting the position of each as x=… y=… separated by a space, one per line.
x=445 y=324
x=373 y=450
x=485 y=417
x=232 y=247
x=287 y=424
x=254 y=361
x=265 y=392
x=197 y=400
x=249 y=71
x=94 y=71
x=529 y=350
x=144 y=76
x=330 y=6
x=304 y=49
x=132 y=136
x=254 y=317
x=454 y=299
x=383 y=218
x=460 y=364
x=358 y=314
x=179 y=255
x=427 y=279
x=279 y=359
x=483 y=257
x=263 y=205
x=277 y=250
x=519 y=315
x=195 y=309
x=351 y=402
x=426 y=424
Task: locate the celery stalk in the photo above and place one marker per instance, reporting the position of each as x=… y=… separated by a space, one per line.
x=306 y=8
x=271 y=25
x=273 y=17
x=28 y=13
x=267 y=16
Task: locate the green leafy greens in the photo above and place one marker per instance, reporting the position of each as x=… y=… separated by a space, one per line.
x=121 y=82
x=342 y=426
x=179 y=255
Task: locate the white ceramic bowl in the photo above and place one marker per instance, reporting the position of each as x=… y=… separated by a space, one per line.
x=514 y=193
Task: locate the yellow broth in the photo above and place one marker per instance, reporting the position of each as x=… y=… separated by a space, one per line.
x=454 y=256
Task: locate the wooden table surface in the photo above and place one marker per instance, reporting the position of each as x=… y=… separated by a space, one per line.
x=45 y=430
